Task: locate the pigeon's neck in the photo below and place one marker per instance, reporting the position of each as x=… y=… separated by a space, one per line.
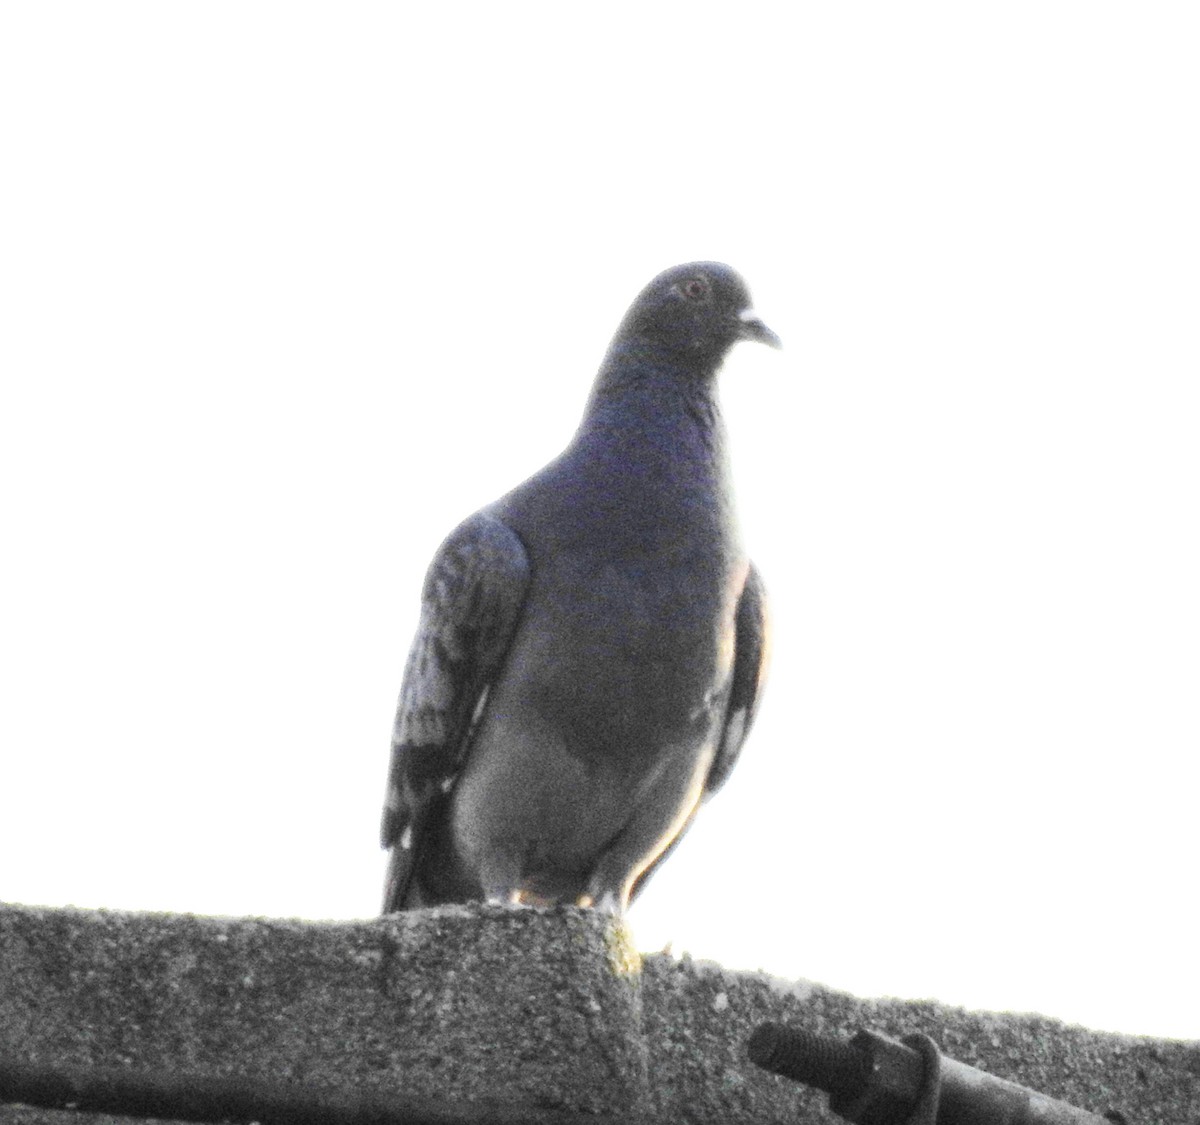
x=641 y=386
x=647 y=465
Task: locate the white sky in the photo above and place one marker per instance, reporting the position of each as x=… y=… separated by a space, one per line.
x=289 y=289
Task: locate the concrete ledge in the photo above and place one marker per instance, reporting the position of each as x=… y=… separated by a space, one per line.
x=697 y=1018
x=521 y=1005
x=548 y=1007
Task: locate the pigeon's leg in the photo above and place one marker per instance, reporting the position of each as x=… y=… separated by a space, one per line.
x=606 y=892
x=500 y=880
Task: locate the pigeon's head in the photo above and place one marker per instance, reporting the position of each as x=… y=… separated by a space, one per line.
x=699 y=310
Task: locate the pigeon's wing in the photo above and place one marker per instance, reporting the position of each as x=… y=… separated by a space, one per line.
x=750 y=657
x=751 y=653
x=469 y=608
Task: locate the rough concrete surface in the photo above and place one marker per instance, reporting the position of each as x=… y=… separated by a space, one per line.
x=697 y=1018
x=547 y=1007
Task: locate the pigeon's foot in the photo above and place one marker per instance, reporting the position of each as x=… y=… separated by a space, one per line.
x=504 y=898
x=608 y=902
x=520 y=897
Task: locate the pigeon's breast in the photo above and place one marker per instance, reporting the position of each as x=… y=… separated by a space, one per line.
x=625 y=641
x=627 y=648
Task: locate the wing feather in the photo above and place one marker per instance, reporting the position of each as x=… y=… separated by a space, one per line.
x=750 y=659
x=472 y=598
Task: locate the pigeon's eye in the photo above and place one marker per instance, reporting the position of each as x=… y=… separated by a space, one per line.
x=695 y=289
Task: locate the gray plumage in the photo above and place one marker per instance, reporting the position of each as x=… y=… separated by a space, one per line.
x=591 y=645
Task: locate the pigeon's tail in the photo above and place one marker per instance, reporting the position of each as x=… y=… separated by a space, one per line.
x=399 y=874
x=401 y=887
x=414 y=867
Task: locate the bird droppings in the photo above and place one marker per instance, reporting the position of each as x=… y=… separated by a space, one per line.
x=623 y=956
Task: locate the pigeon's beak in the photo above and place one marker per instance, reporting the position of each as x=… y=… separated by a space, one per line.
x=751 y=328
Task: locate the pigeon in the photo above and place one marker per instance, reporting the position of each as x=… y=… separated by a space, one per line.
x=591 y=646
